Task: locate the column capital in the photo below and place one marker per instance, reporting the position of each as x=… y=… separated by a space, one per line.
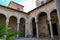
x=18 y=22
x=49 y=20
x=49 y=17
x=7 y=20
x=36 y=20
x=30 y=22
x=26 y=22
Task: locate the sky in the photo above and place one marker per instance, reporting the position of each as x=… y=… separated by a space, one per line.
x=28 y=4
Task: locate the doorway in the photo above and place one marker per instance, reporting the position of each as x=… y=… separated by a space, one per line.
x=49 y=29
x=34 y=32
x=34 y=27
x=54 y=27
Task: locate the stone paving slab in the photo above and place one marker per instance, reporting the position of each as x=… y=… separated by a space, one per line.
x=36 y=39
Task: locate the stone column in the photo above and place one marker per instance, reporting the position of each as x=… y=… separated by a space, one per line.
x=50 y=24
x=7 y=21
x=37 y=34
x=18 y=22
x=31 y=29
x=26 y=29
x=57 y=2
x=51 y=31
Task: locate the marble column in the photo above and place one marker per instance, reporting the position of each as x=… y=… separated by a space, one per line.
x=51 y=31
x=18 y=22
x=7 y=22
x=50 y=25
x=26 y=29
x=37 y=34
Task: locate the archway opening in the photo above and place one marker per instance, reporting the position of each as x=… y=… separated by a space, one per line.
x=42 y=25
x=13 y=23
x=22 y=27
x=54 y=20
x=2 y=19
x=33 y=27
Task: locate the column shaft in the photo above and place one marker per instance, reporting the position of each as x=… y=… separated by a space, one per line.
x=37 y=30
x=17 y=29
x=51 y=31
x=18 y=22
x=50 y=25
x=26 y=29
x=7 y=21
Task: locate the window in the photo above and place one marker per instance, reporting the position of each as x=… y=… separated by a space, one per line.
x=42 y=2
x=47 y=0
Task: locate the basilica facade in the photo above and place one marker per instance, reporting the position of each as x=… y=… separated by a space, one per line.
x=43 y=21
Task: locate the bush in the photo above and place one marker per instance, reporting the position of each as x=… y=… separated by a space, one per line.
x=6 y=33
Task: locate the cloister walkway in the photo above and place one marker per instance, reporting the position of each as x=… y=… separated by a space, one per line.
x=37 y=39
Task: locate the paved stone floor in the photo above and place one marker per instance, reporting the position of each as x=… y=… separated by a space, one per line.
x=37 y=39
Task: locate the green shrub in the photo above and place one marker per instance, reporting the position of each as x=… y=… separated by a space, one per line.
x=6 y=33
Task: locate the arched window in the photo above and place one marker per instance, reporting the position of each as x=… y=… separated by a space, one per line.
x=13 y=23
x=33 y=27
x=54 y=22
x=22 y=27
x=42 y=24
x=2 y=19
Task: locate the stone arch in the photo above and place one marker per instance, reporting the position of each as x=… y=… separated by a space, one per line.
x=2 y=19
x=42 y=24
x=54 y=22
x=41 y=14
x=22 y=27
x=13 y=23
x=54 y=10
x=33 y=27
